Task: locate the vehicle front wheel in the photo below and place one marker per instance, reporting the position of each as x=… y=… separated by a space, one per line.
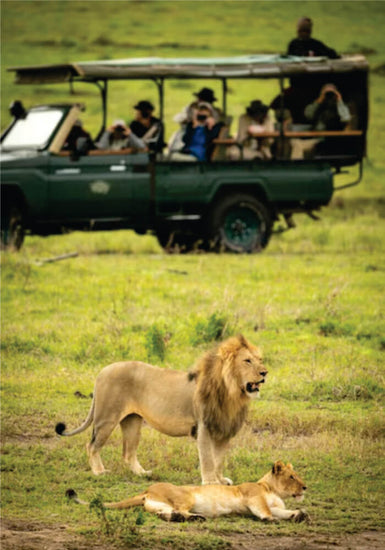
x=12 y=228
x=239 y=223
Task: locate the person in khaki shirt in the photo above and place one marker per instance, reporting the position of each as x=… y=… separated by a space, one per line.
x=251 y=124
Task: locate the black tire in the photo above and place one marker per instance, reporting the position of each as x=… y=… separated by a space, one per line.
x=239 y=223
x=12 y=226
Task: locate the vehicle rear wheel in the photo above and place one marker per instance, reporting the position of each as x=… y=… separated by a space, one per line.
x=239 y=223
x=12 y=228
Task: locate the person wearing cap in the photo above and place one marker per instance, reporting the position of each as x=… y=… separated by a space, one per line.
x=199 y=135
x=252 y=124
x=148 y=127
x=306 y=46
x=120 y=136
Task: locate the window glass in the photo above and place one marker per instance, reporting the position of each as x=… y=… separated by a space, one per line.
x=33 y=131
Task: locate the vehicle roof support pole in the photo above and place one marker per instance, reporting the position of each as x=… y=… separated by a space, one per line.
x=160 y=83
x=104 y=90
x=224 y=96
x=281 y=114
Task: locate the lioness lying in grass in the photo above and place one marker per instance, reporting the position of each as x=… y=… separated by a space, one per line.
x=262 y=499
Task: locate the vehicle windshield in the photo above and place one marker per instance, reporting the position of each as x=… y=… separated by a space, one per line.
x=33 y=131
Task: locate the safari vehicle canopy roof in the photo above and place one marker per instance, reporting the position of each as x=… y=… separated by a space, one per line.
x=250 y=66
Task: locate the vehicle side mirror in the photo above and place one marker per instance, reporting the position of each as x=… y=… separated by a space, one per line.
x=17 y=109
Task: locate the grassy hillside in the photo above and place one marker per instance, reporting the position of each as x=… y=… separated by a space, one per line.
x=313 y=301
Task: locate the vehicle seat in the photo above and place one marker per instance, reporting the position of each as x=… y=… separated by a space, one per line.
x=175 y=143
x=220 y=151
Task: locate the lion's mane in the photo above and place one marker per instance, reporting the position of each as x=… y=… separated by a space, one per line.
x=219 y=400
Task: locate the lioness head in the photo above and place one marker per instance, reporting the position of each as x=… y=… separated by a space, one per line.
x=243 y=369
x=285 y=482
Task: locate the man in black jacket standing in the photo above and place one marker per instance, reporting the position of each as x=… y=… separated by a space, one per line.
x=306 y=46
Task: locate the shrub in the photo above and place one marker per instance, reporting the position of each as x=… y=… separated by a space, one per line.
x=211 y=329
x=155 y=343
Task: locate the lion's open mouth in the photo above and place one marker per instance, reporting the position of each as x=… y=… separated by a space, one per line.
x=299 y=497
x=253 y=386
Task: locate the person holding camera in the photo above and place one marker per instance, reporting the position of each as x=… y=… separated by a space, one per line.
x=148 y=127
x=328 y=111
x=199 y=135
x=120 y=136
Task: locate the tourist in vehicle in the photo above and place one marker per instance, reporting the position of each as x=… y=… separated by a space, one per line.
x=306 y=46
x=77 y=131
x=251 y=125
x=291 y=104
x=328 y=112
x=148 y=127
x=120 y=136
x=205 y=95
x=199 y=135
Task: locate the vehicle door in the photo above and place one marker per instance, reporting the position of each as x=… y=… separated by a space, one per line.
x=100 y=185
x=180 y=188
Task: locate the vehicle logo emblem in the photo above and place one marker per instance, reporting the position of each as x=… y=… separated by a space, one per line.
x=100 y=187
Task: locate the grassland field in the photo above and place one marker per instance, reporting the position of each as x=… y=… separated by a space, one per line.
x=313 y=301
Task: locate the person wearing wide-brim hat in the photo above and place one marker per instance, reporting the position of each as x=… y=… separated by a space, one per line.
x=257 y=110
x=206 y=95
x=252 y=123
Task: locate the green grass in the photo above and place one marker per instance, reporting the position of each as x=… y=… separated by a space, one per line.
x=321 y=331
x=313 y=301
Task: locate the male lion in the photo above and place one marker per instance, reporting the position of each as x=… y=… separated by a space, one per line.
x=262 y=499
x=209 y=402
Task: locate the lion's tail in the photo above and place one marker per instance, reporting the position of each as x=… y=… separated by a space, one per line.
x=137 y=500
x=60 y=428
x=72 y=495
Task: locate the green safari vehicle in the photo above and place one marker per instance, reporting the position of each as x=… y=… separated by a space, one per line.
x=225 y=203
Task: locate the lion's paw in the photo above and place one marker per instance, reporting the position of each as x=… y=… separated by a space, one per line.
x=301 y=515
x=177 y=516
x=196 y=517
x=226 y=481
x=270 y=519
x=100 y=472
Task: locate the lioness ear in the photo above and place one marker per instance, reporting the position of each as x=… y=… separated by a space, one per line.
x=290 y=466
x=277 y=467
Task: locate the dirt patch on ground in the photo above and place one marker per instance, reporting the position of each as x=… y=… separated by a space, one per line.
x=372 y=540
x=26 y=535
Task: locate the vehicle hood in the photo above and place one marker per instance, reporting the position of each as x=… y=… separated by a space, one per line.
x=18 y=154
